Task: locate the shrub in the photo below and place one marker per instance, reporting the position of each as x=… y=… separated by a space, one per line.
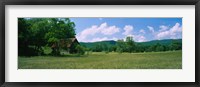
x=80 y=49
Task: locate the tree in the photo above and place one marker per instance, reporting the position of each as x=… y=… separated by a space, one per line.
x=159 y=47
x=175 y=45
x=120 y=46
x=39 y=27
x=34 y=33
x=60 y=28
x=113 y=48
x=23 y=38
x=81 y=49
x=130 y=44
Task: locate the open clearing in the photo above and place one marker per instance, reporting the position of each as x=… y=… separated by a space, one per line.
x=101 y=60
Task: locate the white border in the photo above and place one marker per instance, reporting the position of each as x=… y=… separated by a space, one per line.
x=186 y=74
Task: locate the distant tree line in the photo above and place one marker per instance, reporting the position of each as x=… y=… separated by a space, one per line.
x=35 y=33
x=130 y=46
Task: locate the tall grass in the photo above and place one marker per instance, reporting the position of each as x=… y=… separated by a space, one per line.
x=101 y=60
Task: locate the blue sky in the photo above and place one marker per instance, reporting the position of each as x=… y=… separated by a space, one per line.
x=141 y=29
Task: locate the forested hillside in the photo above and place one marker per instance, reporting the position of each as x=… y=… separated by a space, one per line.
x=154 y=45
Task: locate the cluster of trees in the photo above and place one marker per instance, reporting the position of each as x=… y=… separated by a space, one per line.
x=130 y=46
x=35 y=33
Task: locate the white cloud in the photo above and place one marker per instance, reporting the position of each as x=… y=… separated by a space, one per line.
x=150 y=29
x=163 y=34
x=136 y=38
x=176 y=28
x=163 y=28
x=110 y=30
x=103 y=39
x=93 y=30
x=128 y=30
x=139 y=38
x=142 y=31
x=87 y=32
x=172 y=32
x=99 y=39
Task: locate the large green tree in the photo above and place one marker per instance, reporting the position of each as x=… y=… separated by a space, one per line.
x=34 y=33
x=130 y=44
x=23 y=37
x=60 y=28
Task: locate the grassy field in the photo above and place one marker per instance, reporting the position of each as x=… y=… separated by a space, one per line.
x=151 y=60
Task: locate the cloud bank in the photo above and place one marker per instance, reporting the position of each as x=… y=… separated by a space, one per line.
x=104 y=32
x=92 y=31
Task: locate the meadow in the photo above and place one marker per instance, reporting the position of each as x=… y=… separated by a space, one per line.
x=101 y=60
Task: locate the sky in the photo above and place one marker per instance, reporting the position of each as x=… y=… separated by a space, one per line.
x=141 y=29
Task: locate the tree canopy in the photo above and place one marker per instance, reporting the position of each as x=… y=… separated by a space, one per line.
x=34 y=33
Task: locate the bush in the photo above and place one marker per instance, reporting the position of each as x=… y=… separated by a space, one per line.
x=119 y=50
x=80 y=49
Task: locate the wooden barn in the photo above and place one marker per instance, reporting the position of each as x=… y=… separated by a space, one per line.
x=69 y=44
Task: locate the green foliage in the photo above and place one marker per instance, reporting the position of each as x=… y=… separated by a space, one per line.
x=94 y=44
x=35 y=33
x=24 y=36
x=175 y=45
x=119 y=50
x=130 y=46
x=100 y=47
x=126 y=46
x=81 y=49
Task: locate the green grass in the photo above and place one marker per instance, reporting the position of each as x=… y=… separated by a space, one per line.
x=151 y=60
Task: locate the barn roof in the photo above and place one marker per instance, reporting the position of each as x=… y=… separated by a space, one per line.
x=71 y=40
x=67 y=42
